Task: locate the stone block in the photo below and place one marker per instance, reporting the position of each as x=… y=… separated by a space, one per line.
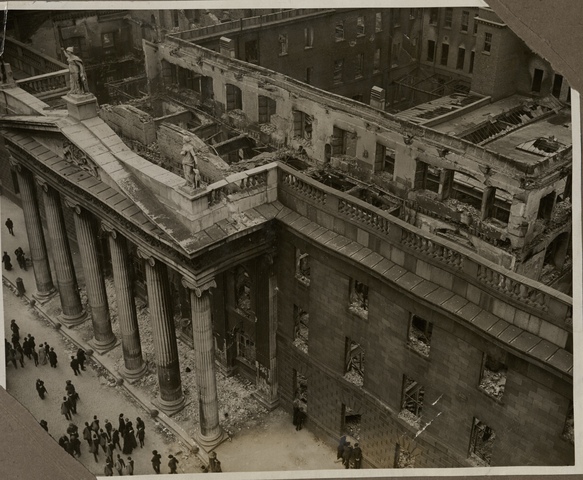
x=553 y=334
x=81 y=107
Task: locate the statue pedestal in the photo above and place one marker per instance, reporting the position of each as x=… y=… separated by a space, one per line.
x=81 y=106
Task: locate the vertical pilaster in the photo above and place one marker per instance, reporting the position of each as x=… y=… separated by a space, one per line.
x=134 y=366
x=210 y=433
x=73 y=313
x=103 y=337
x=165 y=345
x=36 y=237
x=273 y=376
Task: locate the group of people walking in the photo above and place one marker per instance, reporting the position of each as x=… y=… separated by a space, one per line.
x=19 y=252
x=350 y=456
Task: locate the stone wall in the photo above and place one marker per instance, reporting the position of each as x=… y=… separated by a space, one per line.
x=130 y=122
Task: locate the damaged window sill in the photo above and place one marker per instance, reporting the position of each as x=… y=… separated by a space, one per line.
x=496 y=399
x=416 y=351
x=358 y=311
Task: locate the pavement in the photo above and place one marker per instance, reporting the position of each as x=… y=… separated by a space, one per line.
x=270 y=443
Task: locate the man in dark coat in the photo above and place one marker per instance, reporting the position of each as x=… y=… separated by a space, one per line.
x=87 y=433
x=95 y=424
x=346 y=454
x=34 y=357
x=44 y=424
x=10 y=226
x=108 y=427
x=15 y=329
x=75 y=365
x=356 y=458
x=7 y=261
x=75 y=444
x=115 y=438
x=53 y=357
x=122 y=425
x=172 y=463
x=81 y=357
x=156 y=461
x=66 y=408
x=40 y=388
x=26 y=348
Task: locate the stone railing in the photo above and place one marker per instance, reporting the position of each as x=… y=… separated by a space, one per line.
x=28 y=60
x=245 y=23
x=239 y=183
x=46 y=86
x=494 y=280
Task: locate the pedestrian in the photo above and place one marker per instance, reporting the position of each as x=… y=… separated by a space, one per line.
x=75 y=365
x=87 y=433
x=20 y=258
x=140 y=423
x=64 y=441
x=129 y=468
x=44 y=424
x=72 y=429
x=75 y=445
x=42 y=355
x=26 y=348
x=129 y=440
x=95 y=424
x=141 y=433
x=72 y=402
x=94 y=438
x=12 y=357
x=108 y=427
x=172 y=463
x=115 y=438
x=53 y=357
x=296 y=407
x=81 y=357
x=156 y=462
x=66 y=408
x=119 y=464
x=40 y=388
x=70 y=388
x=122 y=425
x=34 y=357
x=20 y=355
x=7 y=347
x=103 y=440
x=47 y=348
x=346 y=454
x=15 y=329
x=214 y=463
x=6 y=261
x=109 y=449
x=108 y=470
x=10 y=226
x=15 y=342
x=301 y=416
x=94 y=449
x=340 y=449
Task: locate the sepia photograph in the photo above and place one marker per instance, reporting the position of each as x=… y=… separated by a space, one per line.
x=282 y=240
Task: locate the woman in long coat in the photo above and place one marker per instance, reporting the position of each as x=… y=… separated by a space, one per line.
x=42 y=355
x=129 y=441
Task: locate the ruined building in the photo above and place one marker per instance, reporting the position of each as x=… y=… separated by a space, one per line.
x=405 y=275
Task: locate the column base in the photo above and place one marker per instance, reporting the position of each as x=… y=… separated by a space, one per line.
x=132 y=375
x=71 y=321
x=210 y=443
x=170 y=407
x=103 y=347
x=267 y=403
x=44 y=297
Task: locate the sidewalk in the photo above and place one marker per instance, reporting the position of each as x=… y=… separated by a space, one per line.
x=269 y=443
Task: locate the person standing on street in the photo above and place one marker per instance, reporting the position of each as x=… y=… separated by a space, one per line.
x=108 y=427
x=44 y=424
x=34 y=356
x=20 y=258
x=42 y=354
x=20 y=355
x=108 y=470
x=346 y=454
x=7 y=261
x=76 y=444
x=214 y=463
x=26 y=348
x=122 y=425
x=156 y=461
x=141 y=433
x=40 y=388
x=10 y=226
x=129 y=468
x=95 y=424
x=12 y=357
x=94 y=448
x=15 y=329
x=115 y=438
x=72 y=398
x=75 y=365
x=53 y=357
x=172 y=463
x=119 y=464
x=66 y=409
x=81 y=357
x=87 y=433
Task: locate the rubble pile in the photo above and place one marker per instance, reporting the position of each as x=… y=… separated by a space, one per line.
x=354 y=377
x=410 y=418
x=417 y=342
x=405 y=459
x=493 y=383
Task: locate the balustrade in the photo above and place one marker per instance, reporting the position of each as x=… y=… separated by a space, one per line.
x=42 y=84
x=304 y=188
x=363 y=215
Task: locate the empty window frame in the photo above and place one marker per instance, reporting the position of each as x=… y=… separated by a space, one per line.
x=448 y=17
x=283 y=45
x=302 y=125
x=537 y=80
x=494 y=206
x=376 y=62
x=354 y=362
x=472 y=58
x=430 y=50
x=339 y=31
x=493 y=377
x=309 y=74
x=545 y=206
x=433 y=16
x=412 y=401
x=444 y=54
x=252 y=51
x=234 y=98
x=308 y=37
x=358 y=298
x=385 y=159
x=378 y=22
x=481 y=443
x=466 y=190
x=557 y=85
x=267 y=107
x=301 y=328
x=359 y=65
x=360 y=30
x=419 y=337
x=108 y=40
x=487 y=42
x=465 y=23
x=338 y=71
x=243 y=291
x=461 y=56
x=343 y=142
x=302 y=267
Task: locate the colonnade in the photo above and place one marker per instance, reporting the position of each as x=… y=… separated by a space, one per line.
x=171 y=397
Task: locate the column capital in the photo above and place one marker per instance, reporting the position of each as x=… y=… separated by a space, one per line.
x=15 y=163
x=198 y=288
x=42 y=183
x=72 y=204
x=109 y=229
x=146 y=256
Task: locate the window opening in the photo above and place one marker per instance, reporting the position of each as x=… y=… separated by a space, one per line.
x=309 y=37
x=430 y=50
x=481 y=443
x=412 y=401
x=448 y=17
x=487 y=42
x=493 y=378
x=302 y=267
x=302 y=125
x=419 y=338
x=301 y=331
x=339 y=31
x=465 y=21
x=358 y=298
x=360 y=26
x=354 y=363
x=444 y=53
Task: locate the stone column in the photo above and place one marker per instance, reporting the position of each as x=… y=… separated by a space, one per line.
x=134 y=366
x=210 y=433
x=103 y=338
x=73 y=313
x=36 y=237
x=171 y=398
